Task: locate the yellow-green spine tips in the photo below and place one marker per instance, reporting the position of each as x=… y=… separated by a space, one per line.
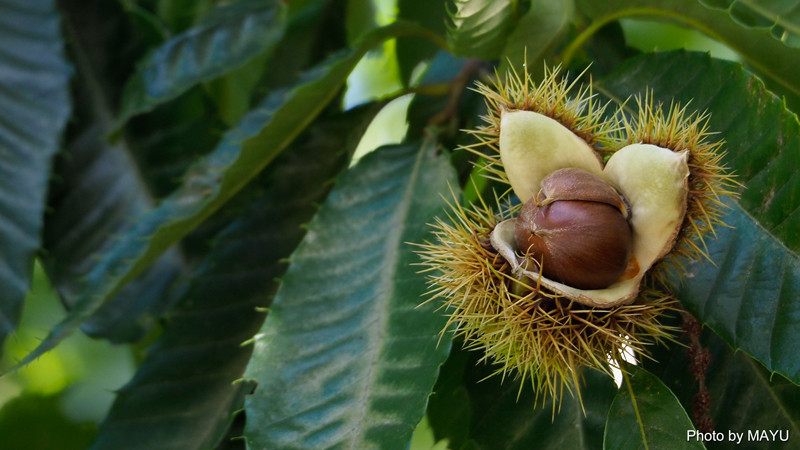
x=501 y=272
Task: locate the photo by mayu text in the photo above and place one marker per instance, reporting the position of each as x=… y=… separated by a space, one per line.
x=739 y=437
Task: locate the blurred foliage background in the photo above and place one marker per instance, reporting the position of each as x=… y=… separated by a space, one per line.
x=58 y=400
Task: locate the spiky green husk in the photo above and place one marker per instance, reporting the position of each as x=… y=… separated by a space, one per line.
x=572 y=105
x=709 y=180
x=525 y=330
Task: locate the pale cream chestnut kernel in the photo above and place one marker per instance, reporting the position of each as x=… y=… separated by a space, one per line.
x=576 y=229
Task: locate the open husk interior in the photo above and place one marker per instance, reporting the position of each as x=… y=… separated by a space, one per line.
x=540 y=329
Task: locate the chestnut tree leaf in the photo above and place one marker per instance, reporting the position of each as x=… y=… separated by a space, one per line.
x=347 y=356
x=200 y=350
x=781 y=17
x=761 y=136
x=646 y=414
x=34 y=107
x=231 y=36
x=479 y=28
x=756 y=45
x=472 y=409
x=208 y=184
x=537 y=32
x=97 y=191
x=235 y=92
x=750 y=295
x=744 y=396
x=410 y=52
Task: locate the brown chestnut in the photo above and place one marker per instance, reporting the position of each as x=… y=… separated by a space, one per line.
x=576 y=228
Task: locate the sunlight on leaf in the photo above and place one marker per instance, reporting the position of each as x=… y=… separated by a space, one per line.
x=757 y=46
x=781 y=17
x=479 y=28
x=210 y=182
x=227 y=40
x=346 y=357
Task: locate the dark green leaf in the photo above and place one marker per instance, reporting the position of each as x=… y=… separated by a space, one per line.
x=605 y=51
x=410 y=52
x=200 y=350
x=646 y=414
x=94 y=199
x=782 y=17
x=168 y=140
x=361 y=18
x=242 y=154
x=36 y=422
x=744 y=396
x=345 y=357
x=449 y=410
x=762 y=138
x=539 y=31
x=233 y=93
x=111 y=40
x=229 y=38
x=308 y=35
x=750 y=295
x=95 y=196
x=179 y=15
x=307 y=31
x=34 y=106
x=757 y=46
x=480 y=28
x=503 y=414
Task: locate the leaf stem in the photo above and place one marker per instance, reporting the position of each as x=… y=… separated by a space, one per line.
x=457 y=87
x=585 y=35
x=414 y=29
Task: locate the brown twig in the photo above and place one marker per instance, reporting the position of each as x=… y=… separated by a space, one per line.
x=457 y=87
x=699 y=358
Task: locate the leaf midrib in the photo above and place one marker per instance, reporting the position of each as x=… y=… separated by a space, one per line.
x=393 y=242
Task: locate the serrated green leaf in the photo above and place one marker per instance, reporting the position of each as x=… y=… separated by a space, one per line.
x=229 y=38
x=757 y=46
x=243 y=152
x=750 y=295
x=201 y=348
x=781 y=17
x=762 y=138
x=744 y=396
x=34 y=106
x=95 y=194
x=537 y=32
x=346 y=357
x=503 y=414
x=646 y=414
x=479 y=28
